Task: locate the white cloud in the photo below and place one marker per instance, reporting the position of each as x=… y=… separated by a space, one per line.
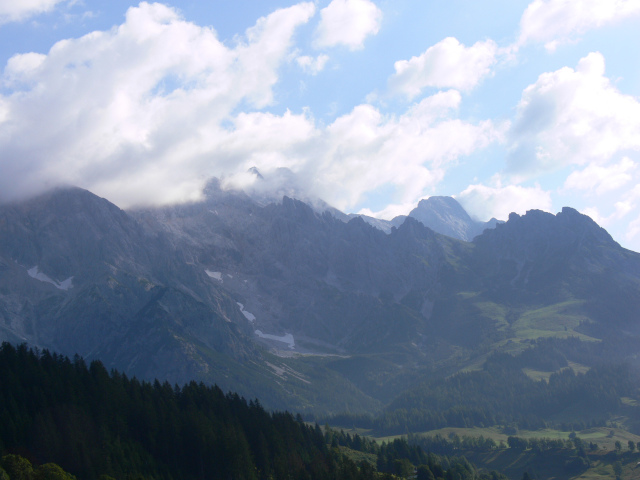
x=559 y=21
x=625 y=206
x=484 y=202
x=390 y=211
x=138 y=113
x=365 y=150
x=348 y=22
x=18 y=10
x=572 y=117
x=447 y=64
x=20 y=68
x=312 y=65
x=594 y=214
x=602 y=179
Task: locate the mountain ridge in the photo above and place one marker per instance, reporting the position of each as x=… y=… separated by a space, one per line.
x=180 y=292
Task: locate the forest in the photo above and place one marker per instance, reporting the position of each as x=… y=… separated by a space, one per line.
x=61 y=418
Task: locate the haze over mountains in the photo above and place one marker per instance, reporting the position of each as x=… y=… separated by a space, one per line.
x=300 y=305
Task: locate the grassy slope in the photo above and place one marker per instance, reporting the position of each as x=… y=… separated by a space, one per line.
x=518 y=327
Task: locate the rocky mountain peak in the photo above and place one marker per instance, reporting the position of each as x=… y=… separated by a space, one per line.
x=584 y=225
x=446 y=216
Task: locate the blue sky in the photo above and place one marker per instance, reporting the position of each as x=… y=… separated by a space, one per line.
x=372 y=104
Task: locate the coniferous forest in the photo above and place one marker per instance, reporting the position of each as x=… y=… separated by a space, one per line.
x=61 y=418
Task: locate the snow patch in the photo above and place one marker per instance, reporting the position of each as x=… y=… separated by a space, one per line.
x=64 y=285
x=287 y=338
x=214 y=275
x=248 y=315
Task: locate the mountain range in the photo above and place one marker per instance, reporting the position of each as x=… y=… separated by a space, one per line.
x=299 y=304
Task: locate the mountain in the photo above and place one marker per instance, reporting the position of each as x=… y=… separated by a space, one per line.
x=446 y=216
x=79 y=275
x=284 y=301
x=443 y=215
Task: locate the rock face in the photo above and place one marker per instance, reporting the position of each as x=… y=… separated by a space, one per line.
x=299 y=271
x=297 y=307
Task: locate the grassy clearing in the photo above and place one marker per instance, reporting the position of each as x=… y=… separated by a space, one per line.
x=579 y=368
x=538 y=375
x=358 y=457
x=388 y=439
x=559 y=320
x=467 y=295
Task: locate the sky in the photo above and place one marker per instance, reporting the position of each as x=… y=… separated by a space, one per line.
x=371 y=105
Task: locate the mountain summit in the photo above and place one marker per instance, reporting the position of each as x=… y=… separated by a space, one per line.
x=446 y=216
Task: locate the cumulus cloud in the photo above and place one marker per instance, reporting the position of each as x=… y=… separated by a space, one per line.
x=447 y=64
x=572 y=117
x=602 y=179
x=364 y=149
x=312 y=65
x=15 y=11
x=143 y=113
x=348 y=22
x=484 y=202
x=558 y=21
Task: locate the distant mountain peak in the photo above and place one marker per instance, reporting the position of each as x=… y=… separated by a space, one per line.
x=256 y=172
x=446 y=216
